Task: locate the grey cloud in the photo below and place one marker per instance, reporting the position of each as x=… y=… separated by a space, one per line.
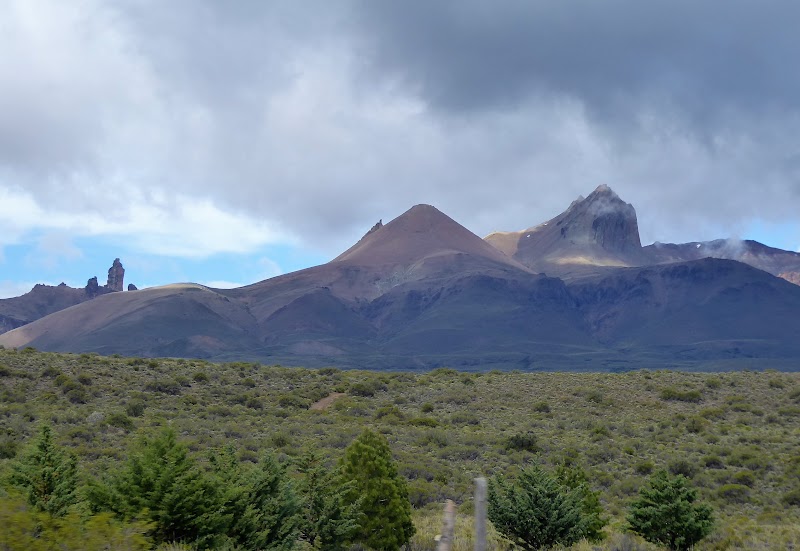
x=325 y=116
x=703 y=58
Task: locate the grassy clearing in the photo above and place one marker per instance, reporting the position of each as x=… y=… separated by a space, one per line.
x=734 y=434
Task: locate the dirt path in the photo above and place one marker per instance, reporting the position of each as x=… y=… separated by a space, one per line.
x=326 y=401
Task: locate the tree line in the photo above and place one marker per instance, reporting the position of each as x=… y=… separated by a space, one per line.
x=162 y=493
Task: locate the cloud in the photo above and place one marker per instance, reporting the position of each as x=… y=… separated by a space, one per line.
x=51 y=249
x=192 y=128
x=172 y=225
x=221 y=284
x=269 y=268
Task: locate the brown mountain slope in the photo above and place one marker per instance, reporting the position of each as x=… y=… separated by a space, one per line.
x=423 y=292
x=421 y=233
x=37 y=303
x=698 y=310
x=174 y=320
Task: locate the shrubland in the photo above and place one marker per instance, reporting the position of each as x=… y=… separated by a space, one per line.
x=733 y=436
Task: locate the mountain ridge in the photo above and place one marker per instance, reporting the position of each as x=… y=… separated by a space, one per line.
x=422 y=292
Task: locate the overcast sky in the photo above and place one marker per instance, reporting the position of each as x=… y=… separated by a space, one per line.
x=227 y=142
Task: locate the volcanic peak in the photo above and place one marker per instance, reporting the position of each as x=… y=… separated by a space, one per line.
x=421 y=232
x=604 y=219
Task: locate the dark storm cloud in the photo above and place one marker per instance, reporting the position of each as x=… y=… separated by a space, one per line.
x=694 y=105
x=703 y=59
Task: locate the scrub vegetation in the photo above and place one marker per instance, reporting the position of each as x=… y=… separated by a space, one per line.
x=731 y=437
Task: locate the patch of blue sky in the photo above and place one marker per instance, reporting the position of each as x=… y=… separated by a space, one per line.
x=782 y=235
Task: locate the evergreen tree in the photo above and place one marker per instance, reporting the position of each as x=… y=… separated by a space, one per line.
x=48 y=475
x=537 y=510
x=268 y=515
x=667 y=512
x=162 y=482
x=574 y=478
x=385 y=522
x=329 y=521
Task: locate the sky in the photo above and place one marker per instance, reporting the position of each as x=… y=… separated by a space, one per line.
x=227 y=142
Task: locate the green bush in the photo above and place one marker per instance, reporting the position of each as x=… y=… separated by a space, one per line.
x=200 y=377
x=523 y=442
x=671 y=393
x=120 y=420
x=747 y=478
x=164 y=386
x=734 y=493
x=536 y=510
x=423 y=422
x=792 y=498
x=135 y=408
x=541 y=407
x=293 y=401
x=713 y=462
x=682 y=467
x=367 y=388
x=667 y=513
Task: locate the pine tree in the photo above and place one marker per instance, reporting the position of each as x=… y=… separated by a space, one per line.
x=574 y=478
x=536 y=510
x=385 y=522
x=329 y=521
x=161 y=481
x=269 y=516
x=667 y=512
x=48 y=475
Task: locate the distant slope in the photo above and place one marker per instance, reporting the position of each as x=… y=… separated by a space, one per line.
x=37 y=303
x=785 y=264
x=698 y=310
x=423 y=292
x=175 y=320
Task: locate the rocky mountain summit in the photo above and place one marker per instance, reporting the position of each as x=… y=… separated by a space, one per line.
x=601 y=232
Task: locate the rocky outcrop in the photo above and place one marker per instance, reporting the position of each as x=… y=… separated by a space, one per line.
x=602 y=219
x=132 y=287
x=92 y=288
x=116 y=276
x=597 y=232
x=44 y=300
x=375 y=228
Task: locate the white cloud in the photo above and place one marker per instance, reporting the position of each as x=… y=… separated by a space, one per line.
x=268 y=268
x=194 y=128
x=175 y=225
x=51 y=248
x=222 y=284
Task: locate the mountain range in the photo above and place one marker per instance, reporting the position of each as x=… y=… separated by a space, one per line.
x=577 y=292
